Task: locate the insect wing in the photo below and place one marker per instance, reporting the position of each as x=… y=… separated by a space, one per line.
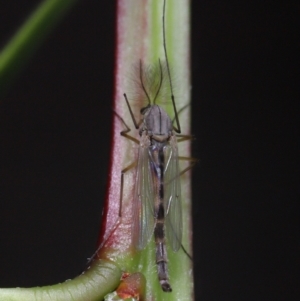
x=172 y=199
x=143 y=216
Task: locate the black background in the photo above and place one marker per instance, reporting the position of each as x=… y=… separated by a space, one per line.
x=55 y=139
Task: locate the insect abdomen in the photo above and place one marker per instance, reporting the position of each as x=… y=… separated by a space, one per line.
x=159 y=230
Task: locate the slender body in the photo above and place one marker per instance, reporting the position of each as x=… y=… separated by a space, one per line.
x=157 y=200
x=158 y=170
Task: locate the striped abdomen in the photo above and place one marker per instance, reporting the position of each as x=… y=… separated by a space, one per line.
x=159 y=229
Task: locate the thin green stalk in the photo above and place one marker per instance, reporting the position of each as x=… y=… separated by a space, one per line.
x=23 y=44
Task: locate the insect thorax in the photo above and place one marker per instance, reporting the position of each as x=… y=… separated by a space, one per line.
x=157 y=123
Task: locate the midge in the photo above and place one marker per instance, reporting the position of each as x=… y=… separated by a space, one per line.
x=157 y=198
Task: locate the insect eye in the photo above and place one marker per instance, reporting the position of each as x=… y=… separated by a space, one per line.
x=143 y=110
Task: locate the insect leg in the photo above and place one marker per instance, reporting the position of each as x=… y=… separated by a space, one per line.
x=130 y=166
x=124 y=133
x=184 y=138
x=127 y=130
x=136 y=124
x=176 y=129
x=192 y=161
x=180 y=111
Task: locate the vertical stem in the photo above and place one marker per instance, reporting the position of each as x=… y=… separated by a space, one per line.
x=139 y=37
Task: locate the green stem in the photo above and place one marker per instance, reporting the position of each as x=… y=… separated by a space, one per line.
x=102 y=278
x=140 y=37
x=23 y=44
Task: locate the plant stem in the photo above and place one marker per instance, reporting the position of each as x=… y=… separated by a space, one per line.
x=23 y=44
x=139 y=37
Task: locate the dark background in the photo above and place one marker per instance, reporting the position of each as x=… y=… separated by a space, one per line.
x=55 y=139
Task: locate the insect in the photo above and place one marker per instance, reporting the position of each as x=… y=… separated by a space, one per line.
x=157 y=196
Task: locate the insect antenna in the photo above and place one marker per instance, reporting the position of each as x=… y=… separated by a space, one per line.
x=142 y=83
x=178 y=129
x=160 y=82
